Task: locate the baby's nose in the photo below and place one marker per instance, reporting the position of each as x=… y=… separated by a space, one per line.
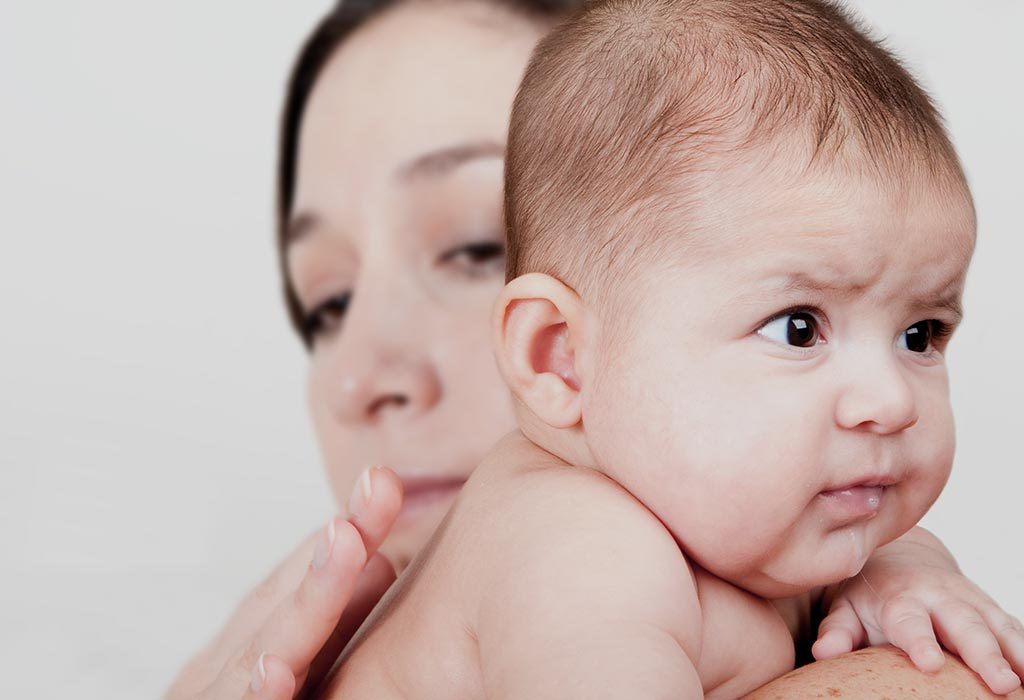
x=879 y=400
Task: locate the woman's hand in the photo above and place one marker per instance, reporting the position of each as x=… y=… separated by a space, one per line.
x=912 y=595
x=287 y=633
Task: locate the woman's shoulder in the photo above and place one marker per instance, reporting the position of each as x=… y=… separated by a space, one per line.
x=878 y=672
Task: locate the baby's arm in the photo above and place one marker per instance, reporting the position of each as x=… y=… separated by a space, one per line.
x=596 y=602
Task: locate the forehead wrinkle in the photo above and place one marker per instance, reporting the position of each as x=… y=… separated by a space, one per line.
x=816 y=287
x=820 y=285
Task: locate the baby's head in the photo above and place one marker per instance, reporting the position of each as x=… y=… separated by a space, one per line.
x=739 y=235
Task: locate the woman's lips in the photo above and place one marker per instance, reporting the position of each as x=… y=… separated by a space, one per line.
x=854 y=503
x=420 y=492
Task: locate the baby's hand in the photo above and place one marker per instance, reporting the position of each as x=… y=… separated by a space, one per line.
x=911 y=594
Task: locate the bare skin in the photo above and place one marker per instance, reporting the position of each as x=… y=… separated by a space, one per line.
x=582 y=616
x=481 y=48
x=875 y=673
x=285 y=635
x=581 y=562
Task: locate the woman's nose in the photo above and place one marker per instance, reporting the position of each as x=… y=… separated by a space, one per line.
x=380 y=367
x=381 y=387
x=878 y=398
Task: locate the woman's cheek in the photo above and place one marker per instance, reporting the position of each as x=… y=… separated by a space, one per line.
x=471 y=373
x=339 y=460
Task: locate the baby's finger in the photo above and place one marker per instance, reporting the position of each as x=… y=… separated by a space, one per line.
x=271 y=680
x=374 y=505
x=840 y=632
x=907 y=625
x=1009 y=632
x=965 y=633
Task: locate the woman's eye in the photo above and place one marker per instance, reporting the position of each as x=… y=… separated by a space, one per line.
x=797 y=328
x=326 y=317
x=477 y=259
x=920 y=336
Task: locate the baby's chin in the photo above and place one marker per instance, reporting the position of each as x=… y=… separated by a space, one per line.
x=841 y=556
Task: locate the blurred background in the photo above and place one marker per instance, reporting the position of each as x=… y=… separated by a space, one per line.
x=155 y=454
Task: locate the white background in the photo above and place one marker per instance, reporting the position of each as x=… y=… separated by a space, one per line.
x=155 y=454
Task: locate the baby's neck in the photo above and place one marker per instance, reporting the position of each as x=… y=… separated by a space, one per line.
x=567 y=444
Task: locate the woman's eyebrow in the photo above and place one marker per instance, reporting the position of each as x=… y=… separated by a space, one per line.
x=443 y=160
x=431 y=164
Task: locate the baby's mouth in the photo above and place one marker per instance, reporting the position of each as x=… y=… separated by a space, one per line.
x=854 y=502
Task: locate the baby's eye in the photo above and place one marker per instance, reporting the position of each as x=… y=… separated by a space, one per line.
x=478 y=258
x=796 y=328
x=921 y=336
x=326 y=317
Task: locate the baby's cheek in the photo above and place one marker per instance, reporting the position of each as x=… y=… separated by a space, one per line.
x=929 y=461
x=936 y=441
x=747 y=492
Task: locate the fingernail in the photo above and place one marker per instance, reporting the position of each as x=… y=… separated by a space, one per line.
x=360 y=495
x=259 y=676
x=322 y=551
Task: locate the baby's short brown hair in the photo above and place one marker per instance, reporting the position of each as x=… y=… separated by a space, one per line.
x=625 y=107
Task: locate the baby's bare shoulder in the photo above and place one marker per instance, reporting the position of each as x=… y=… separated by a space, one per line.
x=569 y=543
x=541 y=506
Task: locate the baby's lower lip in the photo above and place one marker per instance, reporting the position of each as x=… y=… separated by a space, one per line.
x=854 y=503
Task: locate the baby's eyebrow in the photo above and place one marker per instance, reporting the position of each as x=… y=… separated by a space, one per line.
x=949 y=297
x=951 y=302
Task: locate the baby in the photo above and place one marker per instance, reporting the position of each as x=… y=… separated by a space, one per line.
x=738 y=236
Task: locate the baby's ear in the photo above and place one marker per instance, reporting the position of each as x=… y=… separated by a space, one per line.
x=537 y=329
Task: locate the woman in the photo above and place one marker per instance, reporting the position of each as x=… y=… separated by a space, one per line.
x=392 y=254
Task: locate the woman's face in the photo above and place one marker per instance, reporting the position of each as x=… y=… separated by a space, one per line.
x=396 y=249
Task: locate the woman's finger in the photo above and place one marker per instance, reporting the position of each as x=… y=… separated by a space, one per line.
x=254 y=611
x=297 y=629
x=376 y=578
x=373 y=517
x=333 y=597
x=374 y=505
x=964 y=632
x=271 y=680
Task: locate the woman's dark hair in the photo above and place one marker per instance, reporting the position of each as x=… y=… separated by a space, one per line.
x=345 y=17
